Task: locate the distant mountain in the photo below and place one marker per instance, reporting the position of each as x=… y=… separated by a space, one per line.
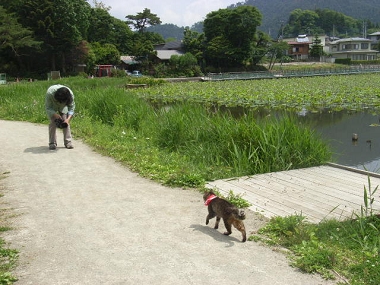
x=168 y=31
x=276 y=12
x=171 y=31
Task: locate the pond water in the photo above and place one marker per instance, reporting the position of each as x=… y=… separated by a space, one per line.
x=338 y=129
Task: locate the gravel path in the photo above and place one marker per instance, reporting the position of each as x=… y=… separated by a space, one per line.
x=81 y=218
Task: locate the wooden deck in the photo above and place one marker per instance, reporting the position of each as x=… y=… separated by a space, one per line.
x=330 y=191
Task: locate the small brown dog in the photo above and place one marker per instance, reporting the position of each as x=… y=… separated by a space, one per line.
x=220 y=208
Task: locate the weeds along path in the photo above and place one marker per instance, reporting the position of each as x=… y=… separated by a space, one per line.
x=81 y=218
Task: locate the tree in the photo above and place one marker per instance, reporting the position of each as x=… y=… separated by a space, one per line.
x=194 y=43
x=332 y=22
x=82 y=54
x=322 y=21
x=15 y=41
x=59 y=24
x=276 y=51
x=101 y=5
x=122 y=36
x=302 y=22
x=316 y=50
x=143 y=20
x=105 y=53
x=142 y=44
x=263 y=43
x=230 y=36
x=13 y=35
x=104 y=29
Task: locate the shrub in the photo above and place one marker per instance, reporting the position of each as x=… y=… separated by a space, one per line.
x=346 y=61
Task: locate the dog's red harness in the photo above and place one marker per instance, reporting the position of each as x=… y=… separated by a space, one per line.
x=210 y=198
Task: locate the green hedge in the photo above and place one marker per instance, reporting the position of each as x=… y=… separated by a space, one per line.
x=348 y=61
x=365 y=62
x=343 y=61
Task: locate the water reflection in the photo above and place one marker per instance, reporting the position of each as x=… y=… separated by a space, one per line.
x=338 y=129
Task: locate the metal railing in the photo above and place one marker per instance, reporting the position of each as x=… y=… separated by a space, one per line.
x=283 y=73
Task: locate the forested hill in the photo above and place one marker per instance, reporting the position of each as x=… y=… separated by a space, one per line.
x=276 y=11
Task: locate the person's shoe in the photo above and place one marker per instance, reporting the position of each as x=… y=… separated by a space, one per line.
x=69 y=145
x=52 y=146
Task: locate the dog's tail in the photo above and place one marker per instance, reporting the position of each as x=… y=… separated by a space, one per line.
x=238 y=213
x=241 y=215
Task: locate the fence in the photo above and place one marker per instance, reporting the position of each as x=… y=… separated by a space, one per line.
x=352 y=69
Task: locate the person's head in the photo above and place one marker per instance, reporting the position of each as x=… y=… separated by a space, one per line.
x=63 y=95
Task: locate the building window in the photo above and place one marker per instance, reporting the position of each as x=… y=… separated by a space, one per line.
x=361 y=57
x=371 y=57
x=364 y=46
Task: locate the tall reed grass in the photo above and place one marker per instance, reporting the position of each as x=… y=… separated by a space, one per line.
x=181 y=144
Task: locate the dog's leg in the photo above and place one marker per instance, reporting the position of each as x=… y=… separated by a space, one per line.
x=210 y=216
x=227 y=224
x=217 y=223
x=207 y=219
x=239 y=225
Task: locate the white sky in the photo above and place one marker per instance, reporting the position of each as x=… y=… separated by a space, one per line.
x=179 y=12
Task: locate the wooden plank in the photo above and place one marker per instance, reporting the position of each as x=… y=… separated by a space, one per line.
x=292 y=200
x=332 y=184
x=259 y=202
x=350 y=178
x=317 y=198
x=333 y=189
x=301 y=184
x=314 y=192
x=323 y=177
x=277 y=202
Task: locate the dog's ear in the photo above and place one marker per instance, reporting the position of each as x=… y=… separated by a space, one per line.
x=205 y=195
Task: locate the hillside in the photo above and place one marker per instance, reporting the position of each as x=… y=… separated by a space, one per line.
x=276 y=11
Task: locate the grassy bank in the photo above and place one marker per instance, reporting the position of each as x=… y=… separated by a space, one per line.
x=182 y=144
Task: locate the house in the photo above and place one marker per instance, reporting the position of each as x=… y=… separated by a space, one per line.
x=353 y=48
x=103 y=70
x=299 y=47
x=174 y=45
x=374 y=37
x=128 y=62
x=166 y=50
x=165 y=55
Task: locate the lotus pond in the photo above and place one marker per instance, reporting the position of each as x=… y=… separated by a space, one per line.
x=335 y=106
